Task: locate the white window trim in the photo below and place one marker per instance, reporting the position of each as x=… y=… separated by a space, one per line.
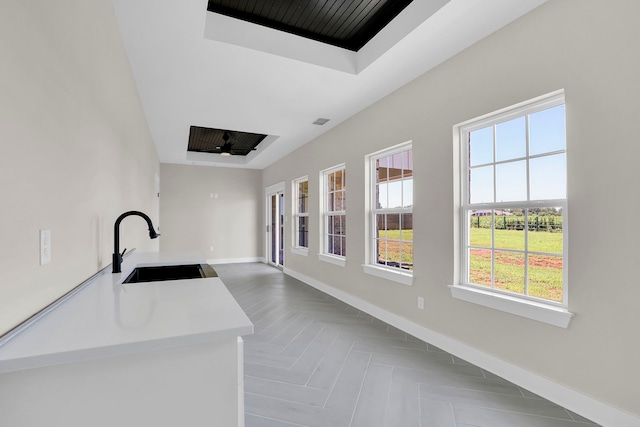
x=333 y=259
x=389 y=273
x=295 y=248
x=299 y=251
x=323 y=255
x=549 y=312
x=542 y=312
x=397 y=275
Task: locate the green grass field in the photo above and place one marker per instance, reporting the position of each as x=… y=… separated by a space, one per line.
x=545 y=271
x=395 y=250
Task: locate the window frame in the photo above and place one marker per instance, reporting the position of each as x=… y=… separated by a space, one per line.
x=371 y=266
x=296 y=246
x=544 y=310
x=325 y=214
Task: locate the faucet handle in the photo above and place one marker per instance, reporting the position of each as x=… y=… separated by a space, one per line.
x=122 y=254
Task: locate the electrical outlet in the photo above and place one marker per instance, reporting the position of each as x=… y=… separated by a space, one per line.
x=45 y=247
x=421 y=303
x=210 y=248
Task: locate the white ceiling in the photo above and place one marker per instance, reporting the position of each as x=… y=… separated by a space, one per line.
x=193 y=67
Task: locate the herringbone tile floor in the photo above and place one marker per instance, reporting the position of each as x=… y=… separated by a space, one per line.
x=316 y=361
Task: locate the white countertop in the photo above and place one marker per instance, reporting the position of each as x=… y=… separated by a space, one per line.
x=107 y=318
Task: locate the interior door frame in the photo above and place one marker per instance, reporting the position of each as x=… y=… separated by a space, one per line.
x=274 y=190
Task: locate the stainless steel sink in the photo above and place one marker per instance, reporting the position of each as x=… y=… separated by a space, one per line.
x=170 y=272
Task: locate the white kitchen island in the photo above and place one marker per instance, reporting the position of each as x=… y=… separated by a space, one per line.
x=142 y=354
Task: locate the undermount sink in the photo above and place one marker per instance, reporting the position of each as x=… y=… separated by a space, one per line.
x=170 y=272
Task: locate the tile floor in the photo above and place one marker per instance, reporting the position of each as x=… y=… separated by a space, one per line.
x=316 y=361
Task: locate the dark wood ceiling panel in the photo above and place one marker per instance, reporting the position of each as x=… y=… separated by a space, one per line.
x=349 y=24
x=209 y=140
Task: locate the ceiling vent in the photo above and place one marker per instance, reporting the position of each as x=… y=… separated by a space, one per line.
x=320 y=121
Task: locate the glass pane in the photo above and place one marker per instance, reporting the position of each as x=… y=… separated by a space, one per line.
x=303 y=232
x=548 y=177
x=508 y=231
x=337 y=247
x=337 y=228
x=393 y=253
x=480 y=228
x=330 y=202
x=511 y=181
x=481 y=185
x=343 y=225
x=395 y=194
x=381 y=196
x=407 y=164
x=382 y=251
x=382 y=168
x=545 y=276
x=381 y=226
x=547 y=131
x=481 y=146
x=338 y=199
x=343 y=246
x=406 y=227
x=338 y=180
x=509 y=271
x=303 y=196
x=545 y=230
x=511 y=139
x=480 y=266
x=407 y=193
x=393 y=226
x=407 y=256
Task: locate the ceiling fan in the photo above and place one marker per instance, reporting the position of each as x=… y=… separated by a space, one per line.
x=225 y=149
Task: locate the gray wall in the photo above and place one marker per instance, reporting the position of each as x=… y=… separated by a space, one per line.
x=193 y=221
x=75 y=149
x=587 y=47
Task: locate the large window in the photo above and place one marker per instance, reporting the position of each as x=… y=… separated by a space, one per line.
x=301 y=213
x=334 y=216
x=514 y=203
x=391 y=209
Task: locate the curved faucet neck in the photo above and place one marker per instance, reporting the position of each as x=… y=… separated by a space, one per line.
x=117 y=257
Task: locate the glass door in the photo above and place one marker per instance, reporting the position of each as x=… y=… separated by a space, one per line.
x=275 y=225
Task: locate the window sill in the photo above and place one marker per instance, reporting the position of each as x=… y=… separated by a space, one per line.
x=300 y=251
x=389 y=274
x=546 y=313
x=332 y=259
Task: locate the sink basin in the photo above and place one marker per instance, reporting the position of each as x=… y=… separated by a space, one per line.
x=170 y=272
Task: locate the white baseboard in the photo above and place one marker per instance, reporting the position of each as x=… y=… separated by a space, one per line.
x=235 y=260
x=579 y=403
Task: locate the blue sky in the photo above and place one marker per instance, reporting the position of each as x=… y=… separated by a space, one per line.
x=547 y=173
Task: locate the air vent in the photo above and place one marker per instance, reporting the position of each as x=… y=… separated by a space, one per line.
x=320 y=121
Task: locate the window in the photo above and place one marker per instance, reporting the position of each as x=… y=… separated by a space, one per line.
x=334 y=244
x=301 y=213
x=391 y=213
x=513 y=202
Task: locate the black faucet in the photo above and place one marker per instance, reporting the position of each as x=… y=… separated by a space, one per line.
x=117 y=256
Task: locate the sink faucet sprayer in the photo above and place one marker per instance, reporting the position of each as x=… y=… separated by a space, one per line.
x=117 y=256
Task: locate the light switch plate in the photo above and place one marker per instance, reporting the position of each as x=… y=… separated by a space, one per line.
x=45 y=247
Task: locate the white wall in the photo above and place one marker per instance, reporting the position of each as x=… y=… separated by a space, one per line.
x=587 y=47
x=75 y=149
x=193 y=221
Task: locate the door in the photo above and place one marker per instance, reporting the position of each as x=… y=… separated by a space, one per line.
x=275 y=225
